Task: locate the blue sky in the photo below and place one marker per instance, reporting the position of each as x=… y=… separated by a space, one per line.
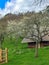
x=2 y=3
x=16 y=6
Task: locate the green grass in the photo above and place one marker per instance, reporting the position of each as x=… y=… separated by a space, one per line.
x=19 y=54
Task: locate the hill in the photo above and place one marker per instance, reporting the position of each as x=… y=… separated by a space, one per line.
x=9 y=17
x=10 y=20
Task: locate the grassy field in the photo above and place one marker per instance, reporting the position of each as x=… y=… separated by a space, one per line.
x=19 y=54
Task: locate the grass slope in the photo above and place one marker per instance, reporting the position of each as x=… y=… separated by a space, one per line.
x=19 y=54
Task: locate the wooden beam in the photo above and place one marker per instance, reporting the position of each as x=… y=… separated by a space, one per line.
x=6 y=56
x=0 y=55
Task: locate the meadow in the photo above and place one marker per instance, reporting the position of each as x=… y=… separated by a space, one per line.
x=20 y=54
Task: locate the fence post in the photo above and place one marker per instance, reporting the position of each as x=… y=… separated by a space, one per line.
x=0 y=55
x=6 y=56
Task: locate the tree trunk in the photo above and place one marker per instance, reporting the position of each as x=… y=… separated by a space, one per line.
x=36 y=50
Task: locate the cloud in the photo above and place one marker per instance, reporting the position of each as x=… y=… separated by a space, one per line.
x=16 y=6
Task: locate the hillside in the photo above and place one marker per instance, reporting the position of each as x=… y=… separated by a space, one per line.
x=9 y=17
x=10 y=20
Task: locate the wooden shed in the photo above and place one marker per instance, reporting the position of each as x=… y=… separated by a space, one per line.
x=45 y=40
x=32 y=44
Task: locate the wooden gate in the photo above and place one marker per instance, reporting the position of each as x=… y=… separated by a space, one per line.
x=3 y=55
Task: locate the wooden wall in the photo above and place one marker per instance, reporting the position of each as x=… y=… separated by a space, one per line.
x=42 y=44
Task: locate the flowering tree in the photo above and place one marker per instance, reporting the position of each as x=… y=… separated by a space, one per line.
x=34 y=27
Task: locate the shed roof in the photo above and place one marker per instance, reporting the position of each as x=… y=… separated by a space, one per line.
x=46 y=38
x=26 y=40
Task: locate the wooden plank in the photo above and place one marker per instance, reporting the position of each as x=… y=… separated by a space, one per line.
x=6 y=55
x=0 y=55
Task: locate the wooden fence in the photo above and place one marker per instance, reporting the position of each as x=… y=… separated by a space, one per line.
x=4 y=55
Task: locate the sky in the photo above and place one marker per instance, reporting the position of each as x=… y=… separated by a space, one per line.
x=22 y=6
x=2 y=3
